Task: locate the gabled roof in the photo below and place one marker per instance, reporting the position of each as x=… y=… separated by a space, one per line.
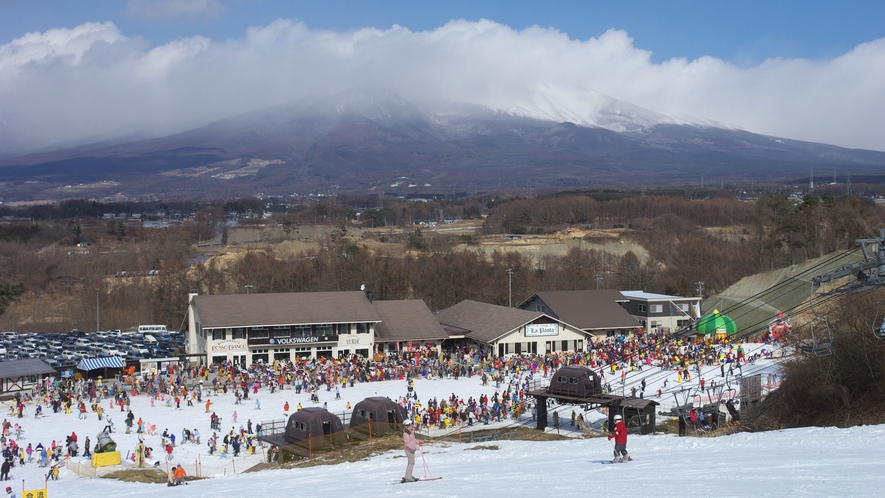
x=28 y=366
x=588 y=309
x=292 y=308
x=408 y=320
x=486 y=322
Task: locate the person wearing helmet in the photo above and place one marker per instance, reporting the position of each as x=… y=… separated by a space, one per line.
x=178 y=475
x=620 y=437
x=410 y=445
x=9 y=493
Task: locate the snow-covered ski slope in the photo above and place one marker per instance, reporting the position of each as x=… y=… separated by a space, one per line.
x=804 y=462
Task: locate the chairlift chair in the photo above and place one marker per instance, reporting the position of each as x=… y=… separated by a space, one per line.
x=879 y=332
x=821 y=339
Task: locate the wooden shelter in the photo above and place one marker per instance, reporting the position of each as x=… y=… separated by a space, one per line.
x=576 y=381
x=377 y=415
x=638 y=414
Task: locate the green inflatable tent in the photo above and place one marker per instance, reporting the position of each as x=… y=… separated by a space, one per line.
x=716 y=323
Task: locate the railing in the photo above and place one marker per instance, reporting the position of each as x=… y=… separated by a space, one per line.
x=194 y=463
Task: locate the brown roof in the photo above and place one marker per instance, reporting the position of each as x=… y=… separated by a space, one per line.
x=638 y=403
x=588 y=309
x=409 y=320
x=293 y=308
x=486 y=322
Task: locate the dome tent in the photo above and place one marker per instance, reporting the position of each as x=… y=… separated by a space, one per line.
x=716 y=323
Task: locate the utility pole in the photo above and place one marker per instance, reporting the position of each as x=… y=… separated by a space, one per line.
x=700 y=289
x=510 y=286
x=248 y=288
x=97 y=313
x=598 y=279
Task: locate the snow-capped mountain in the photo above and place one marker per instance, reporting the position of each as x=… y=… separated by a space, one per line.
x=359 y=139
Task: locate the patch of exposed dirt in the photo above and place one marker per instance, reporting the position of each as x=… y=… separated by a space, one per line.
x=485 y=447
x=149 y=476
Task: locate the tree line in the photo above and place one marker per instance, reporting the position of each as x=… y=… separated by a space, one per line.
x=718 y=241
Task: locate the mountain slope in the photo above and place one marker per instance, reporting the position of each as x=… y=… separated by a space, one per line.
x=357 y=141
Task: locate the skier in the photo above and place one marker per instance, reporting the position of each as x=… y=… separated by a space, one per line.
x=410 y=445
x=9 y=493
x=620 y=437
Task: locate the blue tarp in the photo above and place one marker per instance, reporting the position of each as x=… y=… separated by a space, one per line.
x=94 y=363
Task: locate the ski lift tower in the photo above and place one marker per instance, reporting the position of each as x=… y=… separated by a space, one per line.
x=683 y=399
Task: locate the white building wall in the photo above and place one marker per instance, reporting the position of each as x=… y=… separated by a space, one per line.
x=544 y=338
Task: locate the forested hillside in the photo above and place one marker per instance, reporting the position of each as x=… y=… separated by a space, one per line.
x=54 y=285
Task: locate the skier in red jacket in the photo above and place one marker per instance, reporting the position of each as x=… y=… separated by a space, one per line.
x=620 y=437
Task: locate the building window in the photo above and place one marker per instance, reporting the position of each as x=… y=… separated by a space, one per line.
x=301 y=331
x=344 y=328
x=239 y=333
x=218 y=334
x=324 y=330
x=683 y=307
x=642 y=308
x=362 y=328
x=259 y=333
x=656 y=308
x=281 y=332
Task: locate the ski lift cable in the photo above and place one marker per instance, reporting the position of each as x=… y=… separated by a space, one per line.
x=813 y=269
x=758 y=326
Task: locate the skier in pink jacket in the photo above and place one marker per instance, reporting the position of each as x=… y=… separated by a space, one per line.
x=410 y=445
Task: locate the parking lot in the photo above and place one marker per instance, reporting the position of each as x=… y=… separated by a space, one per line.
x=65 y=350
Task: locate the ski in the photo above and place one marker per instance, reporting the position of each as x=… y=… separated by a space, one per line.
x=419 y=479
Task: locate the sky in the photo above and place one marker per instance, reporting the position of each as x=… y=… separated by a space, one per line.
x=74 y=71
x=798 y=462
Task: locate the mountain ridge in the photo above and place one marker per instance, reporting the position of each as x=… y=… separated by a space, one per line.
x=361 y=141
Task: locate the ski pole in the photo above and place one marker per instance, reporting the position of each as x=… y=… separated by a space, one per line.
x=426 y=468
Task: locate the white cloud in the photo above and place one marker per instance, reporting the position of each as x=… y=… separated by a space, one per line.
x=91 y=80
x=175 y=10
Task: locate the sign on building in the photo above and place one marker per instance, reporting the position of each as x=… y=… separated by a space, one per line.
x=541 y=329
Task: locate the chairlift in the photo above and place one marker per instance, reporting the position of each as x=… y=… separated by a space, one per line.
x=821 y=338
x=879 y=332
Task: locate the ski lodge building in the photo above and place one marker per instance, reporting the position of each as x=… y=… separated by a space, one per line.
x=660 y=312
x=599 y=313
x=245 y=328
x=501 y=330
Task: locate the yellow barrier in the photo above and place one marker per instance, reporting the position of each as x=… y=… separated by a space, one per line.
x=106 y=459
x=35 y=493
